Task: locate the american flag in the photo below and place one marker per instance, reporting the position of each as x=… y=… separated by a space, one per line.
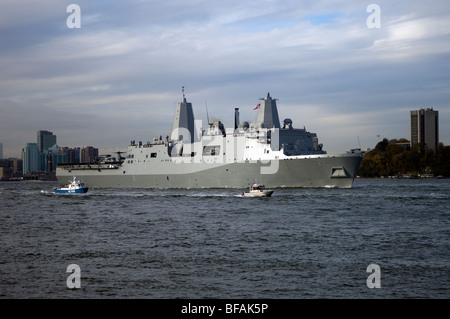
x=257 y=107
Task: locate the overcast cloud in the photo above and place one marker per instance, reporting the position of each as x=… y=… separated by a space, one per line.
x=119 y=76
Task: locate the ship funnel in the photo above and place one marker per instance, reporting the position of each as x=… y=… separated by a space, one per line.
x=236 y=118
x=268 y=113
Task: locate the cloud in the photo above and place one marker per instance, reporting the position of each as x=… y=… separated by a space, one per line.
x=119 y=76
x=411 y=37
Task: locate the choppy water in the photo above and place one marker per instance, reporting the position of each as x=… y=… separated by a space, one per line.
x=300 y=243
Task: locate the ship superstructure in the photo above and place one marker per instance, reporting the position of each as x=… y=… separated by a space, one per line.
x=266 y=151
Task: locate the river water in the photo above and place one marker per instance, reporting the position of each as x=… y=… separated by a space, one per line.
x=212 y=243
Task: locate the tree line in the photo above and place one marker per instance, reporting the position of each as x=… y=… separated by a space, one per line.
x=390 y=158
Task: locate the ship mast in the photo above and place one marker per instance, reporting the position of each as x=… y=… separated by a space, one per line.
x=183 y=125
x=268 y=113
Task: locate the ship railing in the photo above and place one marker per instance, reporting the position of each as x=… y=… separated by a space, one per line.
x=90 y=166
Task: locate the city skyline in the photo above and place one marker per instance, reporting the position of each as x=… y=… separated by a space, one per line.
x=119 y=76
x=43 y=156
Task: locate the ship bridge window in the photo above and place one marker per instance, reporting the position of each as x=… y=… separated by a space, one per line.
x=211 y=150
x=153 y=155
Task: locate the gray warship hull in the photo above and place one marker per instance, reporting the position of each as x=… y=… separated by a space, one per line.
x=262 y=152
x=323 y=171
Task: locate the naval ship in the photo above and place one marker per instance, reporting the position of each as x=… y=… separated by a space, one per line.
x=264 y=152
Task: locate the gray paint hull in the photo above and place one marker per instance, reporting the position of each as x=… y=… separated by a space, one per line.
x=319 y=171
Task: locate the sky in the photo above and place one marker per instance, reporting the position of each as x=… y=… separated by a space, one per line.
x=347 y=73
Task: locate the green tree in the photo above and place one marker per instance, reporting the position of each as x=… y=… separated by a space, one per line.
x=441 y=165
x=389 y=158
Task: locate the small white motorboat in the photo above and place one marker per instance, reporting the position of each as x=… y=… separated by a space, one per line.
x=74 y=187
x=257 y=190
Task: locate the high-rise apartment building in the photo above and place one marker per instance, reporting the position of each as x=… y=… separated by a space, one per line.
x=10 y=169
x=425 y=128
x=31 y=158
x=88 y=154
x=45 y=140
x=72 y=154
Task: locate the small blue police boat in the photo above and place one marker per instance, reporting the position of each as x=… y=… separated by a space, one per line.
x=75 y=187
